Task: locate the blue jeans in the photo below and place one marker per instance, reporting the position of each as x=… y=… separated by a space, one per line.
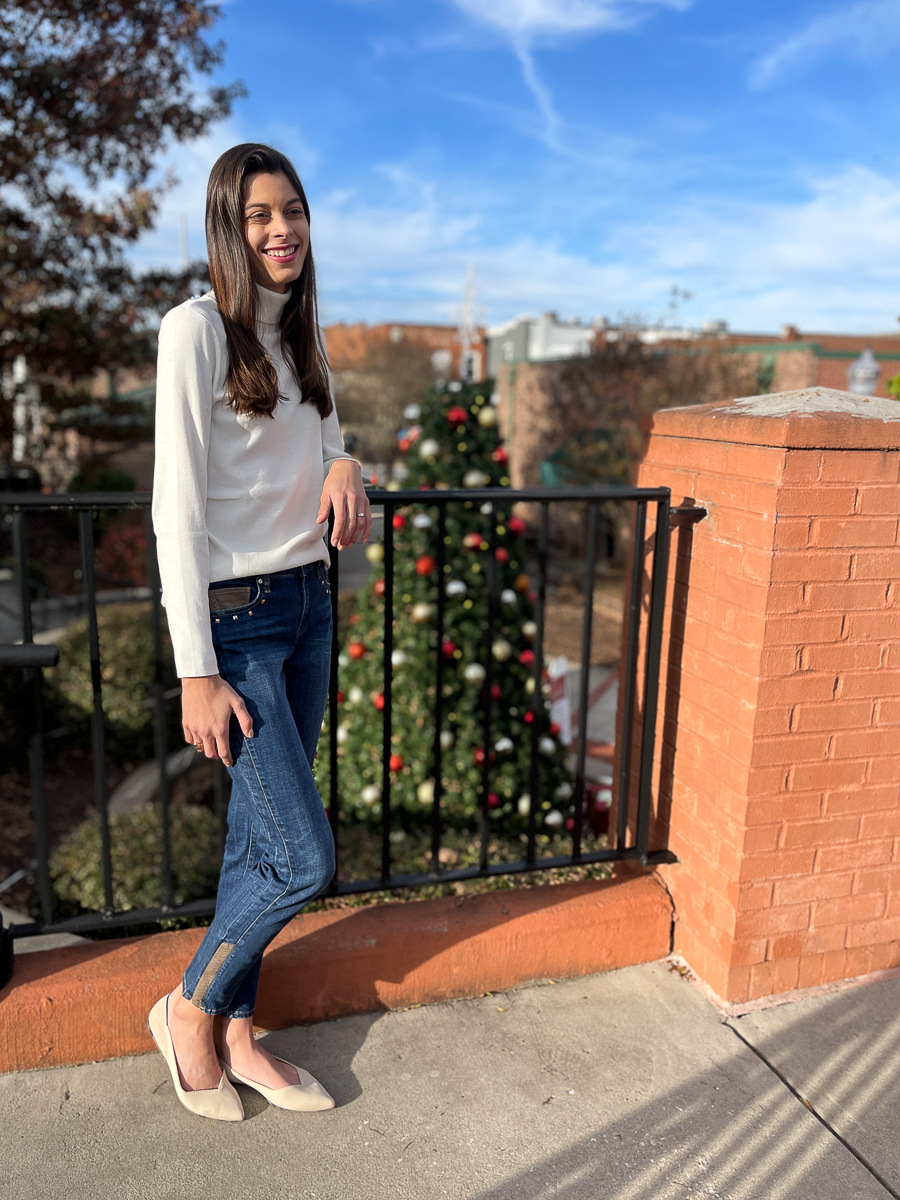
x=274 y=648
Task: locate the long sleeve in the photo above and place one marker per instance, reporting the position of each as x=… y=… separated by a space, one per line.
x=189 y=361
x=332 y=442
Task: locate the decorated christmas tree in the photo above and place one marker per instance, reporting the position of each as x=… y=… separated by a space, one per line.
x=489 y=680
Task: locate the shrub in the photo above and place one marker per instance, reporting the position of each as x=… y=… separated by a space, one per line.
x=127 y=673
x=136 y=852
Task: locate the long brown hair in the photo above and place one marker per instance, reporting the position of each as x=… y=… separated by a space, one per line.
x=252 y=384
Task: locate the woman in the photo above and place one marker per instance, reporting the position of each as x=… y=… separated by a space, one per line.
x=249 y=463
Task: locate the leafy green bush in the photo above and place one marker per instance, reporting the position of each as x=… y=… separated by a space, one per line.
x=127 y=676
x=136 y=852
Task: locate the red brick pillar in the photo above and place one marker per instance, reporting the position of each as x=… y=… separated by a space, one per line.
x=779 y=740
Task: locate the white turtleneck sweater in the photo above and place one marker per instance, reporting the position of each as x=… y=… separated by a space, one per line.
x=233 y=495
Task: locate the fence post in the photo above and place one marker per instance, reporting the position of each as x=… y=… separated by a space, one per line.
x=778 y=752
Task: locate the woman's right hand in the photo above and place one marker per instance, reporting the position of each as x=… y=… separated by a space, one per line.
x=207 y=703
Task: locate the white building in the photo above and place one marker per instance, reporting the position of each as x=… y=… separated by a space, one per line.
x=539 y=339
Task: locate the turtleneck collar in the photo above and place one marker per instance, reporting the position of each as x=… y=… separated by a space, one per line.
x=269 y=305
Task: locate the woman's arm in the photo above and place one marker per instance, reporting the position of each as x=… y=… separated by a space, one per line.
x=343 y=489
x=189 y=358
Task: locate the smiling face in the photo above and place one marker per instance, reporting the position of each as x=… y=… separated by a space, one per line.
x=276 y=230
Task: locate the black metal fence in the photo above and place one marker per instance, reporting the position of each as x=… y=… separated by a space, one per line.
x=638 y=702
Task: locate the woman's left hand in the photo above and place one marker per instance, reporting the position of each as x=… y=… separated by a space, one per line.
x=344 y=492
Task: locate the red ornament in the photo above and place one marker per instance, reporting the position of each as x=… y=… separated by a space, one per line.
x=448 y=649
x=516 y=525
x=570 y=823
x=340 y=697
x=500 y=455
x=399 y=520
x=529 y=717
x=378 y=701
x=472 y=541
x=493 y=800
x=396 y=762
x=457 y=415
x=554 y=728
x=501 y=554
x=356 y=649
x=479 y=756
x=533 y=597
x=403 y=445
x=526 y=658
x=355 y=619
x=378 y=587
x=425 y=564
x=495 y=691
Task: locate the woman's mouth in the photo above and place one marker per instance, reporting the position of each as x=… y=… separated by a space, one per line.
x=282 y=253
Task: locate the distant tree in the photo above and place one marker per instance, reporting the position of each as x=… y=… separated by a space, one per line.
x=371 y=398
x=90 y=92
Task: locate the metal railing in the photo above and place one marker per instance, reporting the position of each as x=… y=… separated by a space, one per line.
x=646 y=590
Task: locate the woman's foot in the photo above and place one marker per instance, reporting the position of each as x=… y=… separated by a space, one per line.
x=238 y=1048
x=192 y=1039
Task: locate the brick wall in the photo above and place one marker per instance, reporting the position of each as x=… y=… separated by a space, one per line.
x=779 y=757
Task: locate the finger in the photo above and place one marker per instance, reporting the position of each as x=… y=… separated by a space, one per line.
x=324 y=509
x=244 y=719
x=221 y=749
x=340 y=525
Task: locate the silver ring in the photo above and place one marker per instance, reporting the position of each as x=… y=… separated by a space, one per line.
x=360 y=514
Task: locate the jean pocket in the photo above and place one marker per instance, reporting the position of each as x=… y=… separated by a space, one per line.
x=323 y=576
x=231 y=598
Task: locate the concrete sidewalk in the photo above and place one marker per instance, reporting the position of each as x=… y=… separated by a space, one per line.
x=622 y=1086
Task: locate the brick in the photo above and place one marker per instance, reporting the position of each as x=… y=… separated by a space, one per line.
x=735 y=590
x=875 y=564
x=883 y=682
x=863 y=800
x=847 y=910
x=772 y=721
x=880 y=824
x=762 y=464
x=806 y=566
x=752 y=896
x=756 y=565
x=834 y=966
x=738 y=525
x=805 y=628
x=771 y=921
x=848 y=857
x=819 y=776
x=831 y=532
x=768 y=781
x=745 y=953
x=780 y=864
x=826 y=940
x=877 y=501
x=864 y=743
x=794 y=748
x=785 y=597
x=816 y=501
x=826 y=832
x=878 y=627
x=813 y=887
x=787 y=945
x=677 y=453
x=887 y=712
x=801 y=466
x=760 y=838
x=877 y=879
x=884 y=770
x=811 y=968
x=855 y=595
x=872 y=933
x=858 y=962
x=771 y=979
x=839 y=714
x=779 y=660
x=800 y=686
x=842 y=656
x=763 y=498
x=792 y=533
x=859 y=466
x=726 y=490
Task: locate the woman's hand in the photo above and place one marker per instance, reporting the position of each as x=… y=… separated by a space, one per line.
x=344 y=492
x=207 y=703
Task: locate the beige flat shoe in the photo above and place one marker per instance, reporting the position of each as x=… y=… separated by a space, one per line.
x=306 y=1096
x=221 y=1103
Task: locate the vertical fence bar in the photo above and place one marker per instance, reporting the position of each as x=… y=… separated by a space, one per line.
x=484 y=830
x=437 y=749
x=584 y=682
x=651 y=672
x=333 y=686
x=100 y=783
x=537 y=703
x=159 y=711
x=633 y=616
x=34 y=706
x=387 y=693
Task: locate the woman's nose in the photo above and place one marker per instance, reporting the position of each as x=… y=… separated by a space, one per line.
x=280 y=226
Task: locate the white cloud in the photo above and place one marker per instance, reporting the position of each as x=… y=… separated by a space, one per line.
x=527 y=19
x=863 y=30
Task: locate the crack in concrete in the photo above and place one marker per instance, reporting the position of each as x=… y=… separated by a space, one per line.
x=823 y=1121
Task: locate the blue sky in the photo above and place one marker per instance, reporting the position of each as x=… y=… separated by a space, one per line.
x=585 y=156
